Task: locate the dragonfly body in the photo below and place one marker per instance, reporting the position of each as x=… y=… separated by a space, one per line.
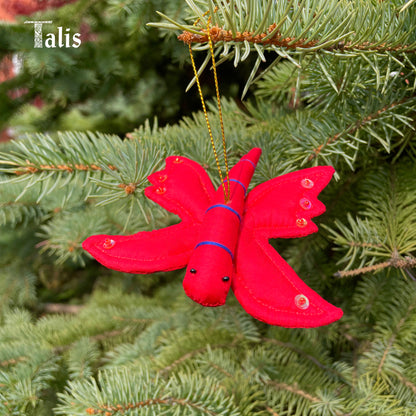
x=210 y=269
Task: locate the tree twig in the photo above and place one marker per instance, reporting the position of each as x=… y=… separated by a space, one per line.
x=398 y=263
x=61 y=308
x=219 y=34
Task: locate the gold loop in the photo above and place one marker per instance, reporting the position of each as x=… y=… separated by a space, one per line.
x=211 y=48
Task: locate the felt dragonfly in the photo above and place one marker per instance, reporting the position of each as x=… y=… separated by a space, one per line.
x=225 y=243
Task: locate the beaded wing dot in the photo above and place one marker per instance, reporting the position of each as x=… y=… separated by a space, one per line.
x=225 y=244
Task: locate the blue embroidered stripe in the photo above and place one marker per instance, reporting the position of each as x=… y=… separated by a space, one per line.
x=213 y=243
x=236 y=181
x=248 y=160
x=226 y=207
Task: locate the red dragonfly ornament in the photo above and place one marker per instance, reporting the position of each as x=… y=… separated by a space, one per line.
x=225 y=244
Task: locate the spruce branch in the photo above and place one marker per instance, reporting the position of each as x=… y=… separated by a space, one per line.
x=125 y=391
x=219 y=363
x=13 y=361
x=134 y=320
x=301 y=352
x=271 y=37
x=220 y=35
x=316 y=402
x=192 y=354
x=14 y=212
x=63 y=235
x=17 y=280
x=388 y=357
x=106 y=335
x=393 y=337
x=24 y=211
x=221 y=370
x=170 y=401
x=353 y=136
x=111 y=410
x=97 y=337
x=290 y=28
x=293 y=389
x=360 y=124
x=271 y=411
x=30 y=168
x=406 y=5
x=60 y=308
x=385 y=231
x=406 y=382
x=364 y=244
x=402 y=263
x=82 y=358
x=121 y=166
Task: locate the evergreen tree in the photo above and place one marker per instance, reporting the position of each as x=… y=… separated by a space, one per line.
x=331 y=82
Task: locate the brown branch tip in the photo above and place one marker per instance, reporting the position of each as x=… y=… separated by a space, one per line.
x=396 y=262
x=32 y=168
x=218 y=34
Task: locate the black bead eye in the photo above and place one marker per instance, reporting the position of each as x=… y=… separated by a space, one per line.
x=225 y=279
x=193 y=271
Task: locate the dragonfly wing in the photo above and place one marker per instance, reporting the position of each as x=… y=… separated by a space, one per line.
x=265 y=285
x=283 y=207
x=269 y=289
x=145 y=252
x=183 y=188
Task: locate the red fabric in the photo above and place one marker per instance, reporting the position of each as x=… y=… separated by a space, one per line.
x=225 y=243
x=183 y=188
x=220 y=225
x=264 y=284
x=145 y=252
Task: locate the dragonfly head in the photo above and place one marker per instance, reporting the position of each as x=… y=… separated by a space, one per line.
x=208 y=275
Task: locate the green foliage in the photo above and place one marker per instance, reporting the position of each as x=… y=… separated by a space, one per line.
x=180 y=395
x=386 y=229
x=327 y=30
x=74 y=83
x=180 y=358
x=136 y=345
x=14 y=211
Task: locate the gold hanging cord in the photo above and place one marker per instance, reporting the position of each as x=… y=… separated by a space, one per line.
x=211 y=48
